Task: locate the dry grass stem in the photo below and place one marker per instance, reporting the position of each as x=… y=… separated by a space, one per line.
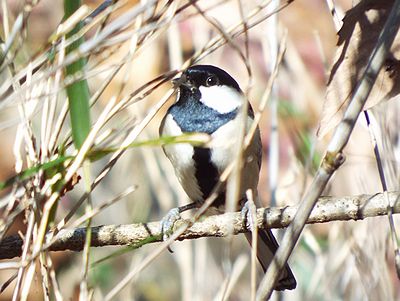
x=334 y=158
x=131 y=51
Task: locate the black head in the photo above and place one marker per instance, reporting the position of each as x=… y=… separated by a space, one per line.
x=205 y=75
x=207 y=99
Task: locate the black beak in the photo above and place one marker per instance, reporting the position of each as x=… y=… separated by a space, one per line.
x=182 y=81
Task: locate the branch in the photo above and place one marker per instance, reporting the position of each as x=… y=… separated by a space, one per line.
x=327 y=209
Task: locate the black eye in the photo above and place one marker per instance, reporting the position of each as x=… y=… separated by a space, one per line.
x=212 y=80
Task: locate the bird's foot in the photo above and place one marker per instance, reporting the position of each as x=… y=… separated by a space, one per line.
x=168 y=221
x=248 y=212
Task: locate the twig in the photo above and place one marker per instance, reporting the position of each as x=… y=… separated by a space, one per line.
x=327 y=209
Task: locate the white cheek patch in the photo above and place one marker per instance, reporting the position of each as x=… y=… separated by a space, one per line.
x=223 y=99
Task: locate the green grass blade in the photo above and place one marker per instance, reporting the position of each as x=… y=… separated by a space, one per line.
x=54 y=166
x=78 y=92
x=30 y=172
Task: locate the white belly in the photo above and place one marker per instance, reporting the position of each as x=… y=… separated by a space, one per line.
x=224 y=151
x=181 y=157
x=224 y=147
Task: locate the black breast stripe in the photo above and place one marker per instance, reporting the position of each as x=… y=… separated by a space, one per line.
x=207 y=174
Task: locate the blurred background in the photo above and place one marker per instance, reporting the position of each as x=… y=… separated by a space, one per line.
x=333 y=261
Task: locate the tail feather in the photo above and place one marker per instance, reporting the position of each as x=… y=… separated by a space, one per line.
x=266 y=249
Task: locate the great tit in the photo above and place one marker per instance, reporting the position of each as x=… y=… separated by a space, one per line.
x=208 y=101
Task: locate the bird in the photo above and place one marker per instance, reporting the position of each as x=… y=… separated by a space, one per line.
x=208 y=101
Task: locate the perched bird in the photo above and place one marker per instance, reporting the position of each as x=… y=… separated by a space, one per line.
x=208 y=101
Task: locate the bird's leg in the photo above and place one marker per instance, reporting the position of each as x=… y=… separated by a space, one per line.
x=247 y=215
x=168 y=221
